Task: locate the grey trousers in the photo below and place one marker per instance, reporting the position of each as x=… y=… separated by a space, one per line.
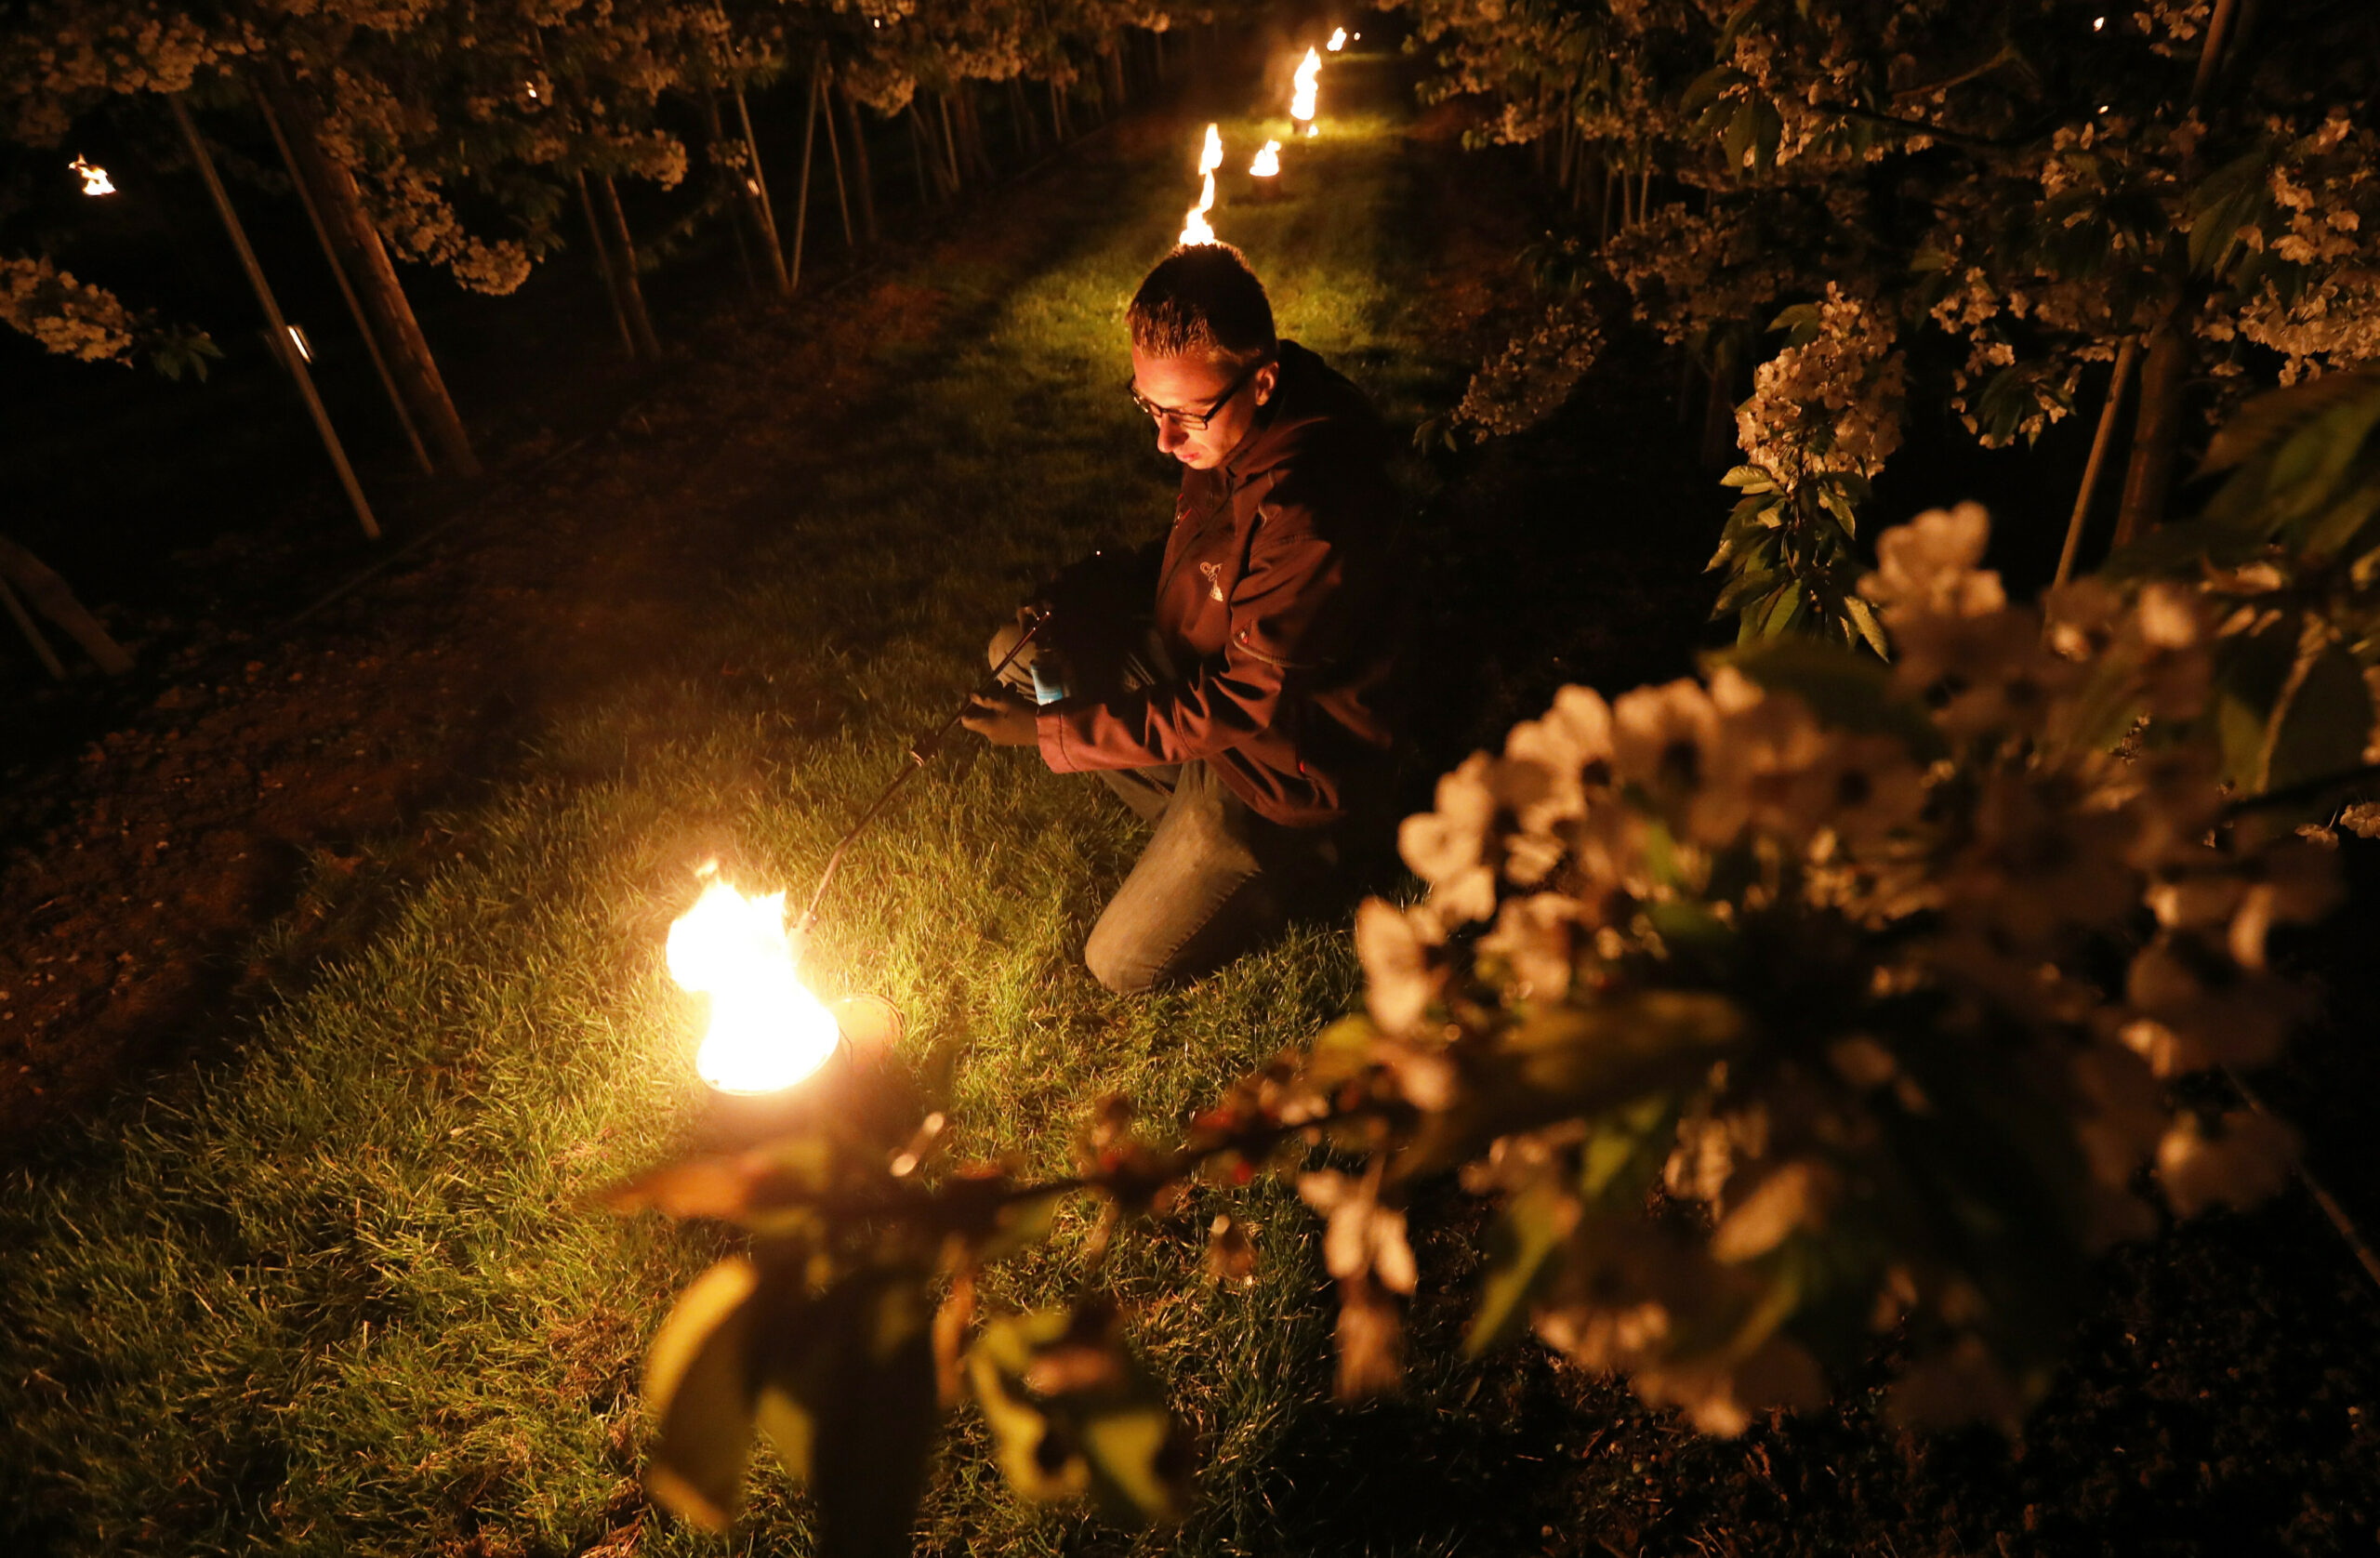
x=1215 y=879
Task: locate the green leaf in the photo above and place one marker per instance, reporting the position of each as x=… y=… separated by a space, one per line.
x=1748 y=622
x=2327 y=724
x=698 y=1394
x=1639 y=1134
x=1073 y=1411
x=1751 y=478
x=1742 y=125
x=2335 y=532
x=2225 y=201
x=2309 y=466
x=2268 y=419
x=1528 y=1228
x=1706 y=88
x=1834 y=502
x=1769 y=133
x=1863 y=617
x=1748 y=583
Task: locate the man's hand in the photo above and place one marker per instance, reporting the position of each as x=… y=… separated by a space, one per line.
x=1002 y=719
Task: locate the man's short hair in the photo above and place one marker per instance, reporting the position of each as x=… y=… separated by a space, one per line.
x=1202 y=300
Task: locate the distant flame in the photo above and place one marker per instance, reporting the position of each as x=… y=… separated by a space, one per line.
x=1268 y=161
x=1338 y=40
x=767 y=1031
x=1194 y=223
x=95 y=180
x=1309 y=80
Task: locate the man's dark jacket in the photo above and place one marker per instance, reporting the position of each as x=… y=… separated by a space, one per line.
x=1275 y=601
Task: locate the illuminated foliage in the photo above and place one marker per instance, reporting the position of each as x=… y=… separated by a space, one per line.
x=2005 y=194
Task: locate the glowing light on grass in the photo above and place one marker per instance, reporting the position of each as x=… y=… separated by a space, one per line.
x=1268 y=161
x=95 y=180
x=1309 y=86
x=767 y=1032
x=1211 y=157
x=1338 y=40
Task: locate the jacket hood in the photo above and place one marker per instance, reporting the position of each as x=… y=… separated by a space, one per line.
x=1313 y=403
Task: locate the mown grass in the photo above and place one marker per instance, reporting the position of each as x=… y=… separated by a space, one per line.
x=344 y=1292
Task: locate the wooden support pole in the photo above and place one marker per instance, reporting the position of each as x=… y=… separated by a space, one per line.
x=357 y=236
x=2100 y=442
x=949 y=143
x=860 y=175
x=25 y=625
x=1020 y=124
x=603 y=267
x=346 y=288
x=918 y=154
x=282 y=345
x=809 y=149
x=835 y=156
x=760 y=190
x=631 y=292
x=28 y=576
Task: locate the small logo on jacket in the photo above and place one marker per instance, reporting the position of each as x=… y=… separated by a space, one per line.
x=1215 y=572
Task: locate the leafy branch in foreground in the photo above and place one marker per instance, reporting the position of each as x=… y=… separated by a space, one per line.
x=1813 y=1011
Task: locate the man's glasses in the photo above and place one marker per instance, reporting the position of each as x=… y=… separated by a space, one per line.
x=1195 y=421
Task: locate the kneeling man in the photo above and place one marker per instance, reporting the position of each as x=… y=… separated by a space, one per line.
x=1228 y=681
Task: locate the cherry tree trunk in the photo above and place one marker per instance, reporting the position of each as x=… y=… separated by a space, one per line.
x=356 y=240
x=1112 y=59
x=2156 y=434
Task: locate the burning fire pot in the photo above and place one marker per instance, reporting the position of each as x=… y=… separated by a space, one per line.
x=777 y=1058
x=1265 y=176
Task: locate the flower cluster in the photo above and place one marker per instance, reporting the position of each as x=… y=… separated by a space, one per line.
x=1831 y=403
x=1536 y=373
x=69 y=317
x=1715 y=988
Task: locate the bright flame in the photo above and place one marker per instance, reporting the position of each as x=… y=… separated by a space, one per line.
x=95 y=180
x=1338 y=40
x=1309 y=81
x=1268 y=161
x=1194 y=223
x=1312 y=130
x=767 y=1031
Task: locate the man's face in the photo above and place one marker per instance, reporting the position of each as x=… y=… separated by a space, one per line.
x=1190 y=387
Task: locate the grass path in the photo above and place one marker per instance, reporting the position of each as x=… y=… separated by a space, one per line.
x=344 y=1294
